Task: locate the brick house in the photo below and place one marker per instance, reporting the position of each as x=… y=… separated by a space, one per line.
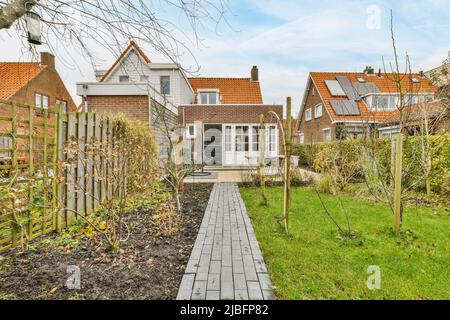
x=224 y=109
x=31 y=83
x=354 y=105
x=222 y=123
x=35 y=84
x=141 y=90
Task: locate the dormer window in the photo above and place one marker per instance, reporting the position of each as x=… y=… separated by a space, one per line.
x=209 y=97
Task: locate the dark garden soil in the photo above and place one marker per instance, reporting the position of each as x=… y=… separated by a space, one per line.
x=149 y=267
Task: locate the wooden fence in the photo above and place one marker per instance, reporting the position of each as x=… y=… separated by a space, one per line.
x=45 y=183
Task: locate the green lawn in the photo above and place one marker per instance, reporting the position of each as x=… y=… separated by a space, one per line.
x=314 y=263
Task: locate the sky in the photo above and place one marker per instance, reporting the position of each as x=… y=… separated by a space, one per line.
x=288 y=39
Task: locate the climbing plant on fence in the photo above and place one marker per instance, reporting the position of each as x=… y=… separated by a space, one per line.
x=60 y=167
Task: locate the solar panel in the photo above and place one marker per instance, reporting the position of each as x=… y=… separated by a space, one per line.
x=335 y=88
x=349 y=90
x=345 y=107
x=366 y=88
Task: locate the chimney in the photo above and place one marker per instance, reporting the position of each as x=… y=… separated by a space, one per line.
x=255 y=74
x=47 y=59
x=369 y=70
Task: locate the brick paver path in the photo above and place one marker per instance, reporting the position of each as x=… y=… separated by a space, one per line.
x=226 y=262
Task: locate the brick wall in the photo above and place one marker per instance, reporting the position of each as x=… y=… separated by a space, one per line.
x=133 y=107
x=313 y=130
x=226 y=113
x=136 y=107
x=49 y=83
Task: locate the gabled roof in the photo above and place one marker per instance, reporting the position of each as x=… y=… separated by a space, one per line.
x=132 y=45
x=384 y=83
x=15 y=75
x=232 y=90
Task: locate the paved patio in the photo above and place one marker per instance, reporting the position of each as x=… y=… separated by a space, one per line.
x=226 y=262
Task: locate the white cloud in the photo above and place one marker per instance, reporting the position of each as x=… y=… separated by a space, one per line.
x=302 y=36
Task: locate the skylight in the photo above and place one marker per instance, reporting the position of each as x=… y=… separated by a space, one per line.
x=361 y=80
x=415 y=80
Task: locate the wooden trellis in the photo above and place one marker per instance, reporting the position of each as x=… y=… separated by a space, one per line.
x=34 y=199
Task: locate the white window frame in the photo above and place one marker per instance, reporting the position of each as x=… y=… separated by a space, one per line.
x=323 y=133
x=208 y=93
x=43 y=101
x=273 y=140
x=308 y=111
x=188 y=134
x=302 y=138
x=321 y=111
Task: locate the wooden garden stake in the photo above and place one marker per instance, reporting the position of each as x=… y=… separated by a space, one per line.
x=398 y=183
x=262 y=152
x=287 y=164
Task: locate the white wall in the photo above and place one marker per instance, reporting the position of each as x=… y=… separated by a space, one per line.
x=134 y=66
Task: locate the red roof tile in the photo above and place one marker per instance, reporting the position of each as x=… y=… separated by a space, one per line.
x=15 y=75
x=232 y=90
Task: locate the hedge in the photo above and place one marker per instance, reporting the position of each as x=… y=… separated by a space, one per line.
x=317 y=156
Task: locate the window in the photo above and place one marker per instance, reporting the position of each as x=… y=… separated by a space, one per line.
x=272 y=138
x=361 y=80
x=165 y=85
x=318 y=111
x=242 y=138
x=302 y=138
x=255 y=141
x=415 y=80
x=41 y=101
x=227 y=138
x=391 y=102
x=190 y=131
x=124 y=79
x=209 y=97
x=144 y=78
x=62 y=104
x=308 y=116
x=326 y=135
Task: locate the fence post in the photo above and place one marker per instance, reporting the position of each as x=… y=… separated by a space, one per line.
x=31 y=172
x=81 y=202
x=70 y=174
x=61 y=212
x=14 y=165
x=398 y=182
x=55 y=211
